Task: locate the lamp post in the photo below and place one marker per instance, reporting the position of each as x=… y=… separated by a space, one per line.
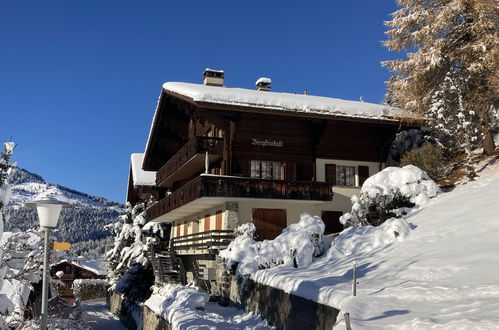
x=48 y=210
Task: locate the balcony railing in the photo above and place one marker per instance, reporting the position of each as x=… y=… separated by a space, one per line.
x=239 y=187
x=208 y=240
x=199 y=145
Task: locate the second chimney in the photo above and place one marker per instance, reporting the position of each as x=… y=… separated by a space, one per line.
x=263 y=84
x=213 y=77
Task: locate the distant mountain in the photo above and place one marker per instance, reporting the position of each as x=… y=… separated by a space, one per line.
x=83 y=222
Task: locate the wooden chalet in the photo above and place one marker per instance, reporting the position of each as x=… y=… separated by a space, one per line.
x=227 y=156
x=73 y=270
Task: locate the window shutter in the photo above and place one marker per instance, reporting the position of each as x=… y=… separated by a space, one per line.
x=363 y=174
x=290 y=171
x=331 y=173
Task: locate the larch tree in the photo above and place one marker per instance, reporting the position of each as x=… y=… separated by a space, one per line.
x=448 y=42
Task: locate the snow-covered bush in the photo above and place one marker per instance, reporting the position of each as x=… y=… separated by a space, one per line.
x=86 y=289
x=388 y=194
x=296 y=246
x=359 y=240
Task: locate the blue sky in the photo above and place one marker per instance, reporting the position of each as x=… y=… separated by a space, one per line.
x=79 y=79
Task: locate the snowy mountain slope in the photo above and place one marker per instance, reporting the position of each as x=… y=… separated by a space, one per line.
x=84 y=221
x=443 y=274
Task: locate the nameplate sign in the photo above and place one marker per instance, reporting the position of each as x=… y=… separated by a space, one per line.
x=267 y=143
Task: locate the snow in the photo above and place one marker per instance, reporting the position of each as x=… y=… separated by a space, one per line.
x=434 y=268
x=285 y=101
x=94 y=266
x=97 y=315
x=141 y=177
x=187 y=308
x=263 y=80
x=297 y=245
x=409 y=181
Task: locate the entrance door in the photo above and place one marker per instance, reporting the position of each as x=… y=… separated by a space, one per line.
x=269 y=222
x=332 y=221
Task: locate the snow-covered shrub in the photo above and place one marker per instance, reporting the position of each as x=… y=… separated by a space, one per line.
x=86 y=289
x=296 y=246
x=358 y=240
x=388 y=194
x=430 y=158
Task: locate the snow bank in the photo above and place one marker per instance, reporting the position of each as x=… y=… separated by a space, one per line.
x=295 y=247
x=439 y=272
x=356 y=240
x=187 y=308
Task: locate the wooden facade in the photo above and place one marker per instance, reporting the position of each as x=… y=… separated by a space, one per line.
x=71 y=272
x=206 y=154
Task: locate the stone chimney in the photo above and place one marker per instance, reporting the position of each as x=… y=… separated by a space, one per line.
x=263 y=84
x=213 y=78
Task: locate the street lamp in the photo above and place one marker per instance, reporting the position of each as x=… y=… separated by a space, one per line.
x=49 y=210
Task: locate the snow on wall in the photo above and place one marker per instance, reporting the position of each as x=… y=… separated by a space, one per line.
x=141 y=177
x=284 y=101
x=187 y=308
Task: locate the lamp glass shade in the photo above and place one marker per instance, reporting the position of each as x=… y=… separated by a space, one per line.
x=48 y=214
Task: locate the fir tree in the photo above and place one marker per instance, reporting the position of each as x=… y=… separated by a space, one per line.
x=447 y=38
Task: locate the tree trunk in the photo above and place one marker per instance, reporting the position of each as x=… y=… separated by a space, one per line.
x=488 y=143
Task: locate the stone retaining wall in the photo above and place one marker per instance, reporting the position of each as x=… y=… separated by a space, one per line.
x=151 y=321
x=115 y=301
x=281 y=309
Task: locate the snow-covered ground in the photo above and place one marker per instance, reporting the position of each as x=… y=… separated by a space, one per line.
x=441 y=271
x=97 y=316
x=187 y=308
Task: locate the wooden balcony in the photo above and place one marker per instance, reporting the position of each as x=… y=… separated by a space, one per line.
x=206 y=242
x=189 y=160
x=234 y=188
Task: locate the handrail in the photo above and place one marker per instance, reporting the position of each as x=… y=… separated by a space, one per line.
x=196 y=145
x=203 y=240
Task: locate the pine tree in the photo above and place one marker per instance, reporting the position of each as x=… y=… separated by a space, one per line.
x=447 y=38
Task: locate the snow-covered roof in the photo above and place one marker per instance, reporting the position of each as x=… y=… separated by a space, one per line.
x=141 y=177
x=288 y=102
x=94 y=266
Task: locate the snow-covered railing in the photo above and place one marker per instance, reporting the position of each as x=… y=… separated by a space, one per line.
x=198 y=145
x=240 y=187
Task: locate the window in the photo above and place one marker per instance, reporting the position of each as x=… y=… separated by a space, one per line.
x=340 y=175
x=267 y=170
x=345 y=175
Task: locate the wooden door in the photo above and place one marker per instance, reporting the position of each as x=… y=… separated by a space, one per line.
x=218 y=220
x=332 y=221
x=269 y=222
